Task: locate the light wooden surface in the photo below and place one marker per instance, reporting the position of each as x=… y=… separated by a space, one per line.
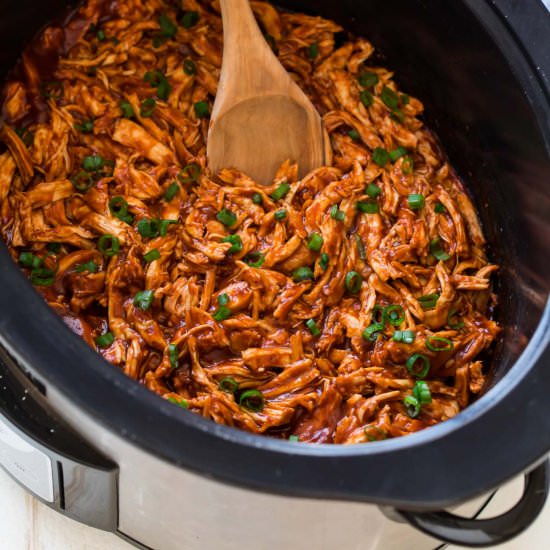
x=260 y=117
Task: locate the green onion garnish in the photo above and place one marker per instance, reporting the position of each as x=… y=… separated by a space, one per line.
x=394 y=315
x=228 y=384
x=41 y=276
x=416 y=201
x=390 y=98
x=407 y=166
x=405 y=99
x=405 y=336
x=222 y=313
x=223 y=299
x=412 y=406
x=173 y=355
x=100 y=35
x=252 y=400
x=148 y=228
x=164 y=224
x=255 y=259
x=337 y=214
x=437 y=251
x=373 y=190
x=371 y=332
x=439 y=208
x=83 y=181
x=257 y=198
x=226 y=217
x=151 y=256
x=323 y=261
x=302 y=274
x=55 y=248
x=202 y=109
x=190 y=19
x=397 y=153
x=437 y=343
x=236 y=243
x=315 y=242
x=104 y=340
x=360 y=247
x=119 y=209
x=428 y=301
x=189 y=67
x=143 y=299
x=418 y=365
x=167 y=27
x=294 y=438
x=451 y=323
x=367 y=80
x=28 y=259
x=88 y=266
x=93 y=163
x=147 y=107
x=127 y=109
x=108 y=245
x=354 y=134
x=190 y=173
x=366 y=98
x=367 y=207
x=422 y=392
x=380 y=156
x=280 y=214
x=313 y=328
x=353 y=282
x=26 y=136
x=179 y=402
x=85 y=127
x=281 y=191
x=171 y=192
x=313 y=51
x=160 y=82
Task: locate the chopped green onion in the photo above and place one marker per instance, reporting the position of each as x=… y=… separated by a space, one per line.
x=167 y=27
x=439 y=208
x=323 y=261
x=437 y=251
x=432 y=343
x=380 y=156
x=422 y=392
x=228 y=385
x=407 y=165
x=86 y=127
x=253 y=400
x=416 y=201
x=394 y=315
x=100 y=35
x=173 y=355
x=189 y=173
x=55 y=248
x=367 y=80
x=361 y=247
x=88 y=266
x=236 y=243
x=226 y=217
x=171 y=192
x=222 y=313
x=147 y=107
x=202 y=109
x=390 y=98
x=119 y=209
x=294 y=438
x=373 y=190
x=83 y=181
x=405 y=99
x=367 y=207
x=223 y=299
x=337 y=214
x=405 y=336
x=313 y=51
x=313 y=328
x=397 y=153
x=28 y=259
x=302 y=274
x=428 y=301
x=281 y=191
x=149 y=228
x=354 y=134
x=104 y=340
x=127 y=109
x=26 y=136
x=190 y=19
x=108 y=245
x=160 y=82
x=366 y=98
x=315 y=242
x=379 y=433
x=280 y=214
x=189 y=67
x=412 y=406
x=255 y=259
x=143 y=299
x=163 y=228
x=371 y=332
x=413 y=367
x=179 y=402
x=93 y=163
x=151 y=256
x=450 y=322
x=257 y=198
x=377 y=315
x=353 y=282
x=41 y=276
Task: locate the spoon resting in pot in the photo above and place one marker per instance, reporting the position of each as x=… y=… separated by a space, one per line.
x=260 y=117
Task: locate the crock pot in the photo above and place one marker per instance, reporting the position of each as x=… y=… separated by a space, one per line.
x=100 y=448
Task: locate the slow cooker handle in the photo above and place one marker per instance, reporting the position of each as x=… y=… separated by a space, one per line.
x=478 y=533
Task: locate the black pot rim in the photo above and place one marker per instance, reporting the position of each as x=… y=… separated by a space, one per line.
x=443 y=465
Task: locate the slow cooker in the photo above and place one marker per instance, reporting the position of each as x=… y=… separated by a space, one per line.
x=103 y=450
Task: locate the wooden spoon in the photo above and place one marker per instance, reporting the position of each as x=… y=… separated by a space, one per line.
x=260 y=117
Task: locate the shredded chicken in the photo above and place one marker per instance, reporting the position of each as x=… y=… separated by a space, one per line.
x=349 y=306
